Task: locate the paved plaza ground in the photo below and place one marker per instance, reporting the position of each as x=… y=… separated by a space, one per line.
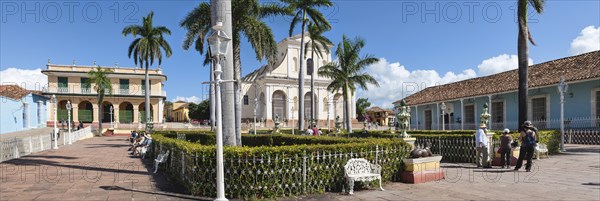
x=101 y=169
x=571 y=176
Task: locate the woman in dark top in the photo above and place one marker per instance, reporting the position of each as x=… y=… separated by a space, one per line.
x=505 y=148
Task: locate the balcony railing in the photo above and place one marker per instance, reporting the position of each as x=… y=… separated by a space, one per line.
x=86 y=90
x=63 y=89
x=124 y=91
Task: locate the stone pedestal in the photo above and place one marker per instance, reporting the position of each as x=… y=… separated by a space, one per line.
x=411 y=141
x=421 y=170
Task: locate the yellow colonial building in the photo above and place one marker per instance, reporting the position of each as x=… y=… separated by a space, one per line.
x=69 y=83
x=381 y=116
x=180 y=111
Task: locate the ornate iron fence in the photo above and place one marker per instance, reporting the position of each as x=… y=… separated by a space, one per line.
x=591 y=137
x=273 y=175
x=460 y=149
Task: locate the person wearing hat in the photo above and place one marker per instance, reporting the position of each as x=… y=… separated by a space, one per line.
x=481 y=143
x=505 y=148
x=528 y=139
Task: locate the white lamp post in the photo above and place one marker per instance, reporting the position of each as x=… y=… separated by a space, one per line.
x=111 y=116
x=55 y=133
x=218 y=42
x=69 y=107
x=443 y=116
x=562 y=89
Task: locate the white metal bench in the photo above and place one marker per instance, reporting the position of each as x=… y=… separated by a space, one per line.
x=359 y=169
x=160 y=159
x=541 y=148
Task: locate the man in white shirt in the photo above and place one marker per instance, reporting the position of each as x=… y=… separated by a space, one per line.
x=481 y=143
x=309 y=131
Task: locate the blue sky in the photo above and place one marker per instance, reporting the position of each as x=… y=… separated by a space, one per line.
x=418 y=41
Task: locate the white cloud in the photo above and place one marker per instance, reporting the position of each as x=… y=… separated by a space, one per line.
x=587 y=41
x=396 y=82
x=499 y=64
x=29 y=79
x=193 y=99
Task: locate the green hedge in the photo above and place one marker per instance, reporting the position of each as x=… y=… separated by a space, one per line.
x=458 y=146
x=302 y=165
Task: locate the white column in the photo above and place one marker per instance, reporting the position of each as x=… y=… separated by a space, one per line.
x=289 y=102
x=26 y=113
x=268 y=102
x=437 y=115
x=417 y=116
x=161 y=105
x=462 y=114
x=490 y=111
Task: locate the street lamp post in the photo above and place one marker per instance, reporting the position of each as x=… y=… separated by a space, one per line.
x=443 y=116
x=55 y=131
x=111 y=116
x=69 y=108
x=562 y=89
x=219 y=42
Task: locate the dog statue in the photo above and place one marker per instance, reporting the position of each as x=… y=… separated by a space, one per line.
x=418 y=153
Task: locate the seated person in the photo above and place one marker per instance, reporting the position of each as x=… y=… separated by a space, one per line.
x=134 y=135
x=137 y=141
x=138 y=148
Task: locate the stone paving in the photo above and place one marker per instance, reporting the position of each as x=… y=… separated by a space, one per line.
x=571 y=176
x=101 y=169
x=94 y=169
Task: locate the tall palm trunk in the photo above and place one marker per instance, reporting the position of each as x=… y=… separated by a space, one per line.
x=347 y=108
x=301 y=78
x=522 y=49
x=100 y=97
x=237 y=94
x=147 y=104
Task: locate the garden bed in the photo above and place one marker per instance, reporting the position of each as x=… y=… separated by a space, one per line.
x=274 y=165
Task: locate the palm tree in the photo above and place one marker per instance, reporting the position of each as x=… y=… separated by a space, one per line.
x=522 y=48
x=306 y=10
x=102 y=85
x=347 y=72
x=147 y=48
x=318 y=43
x=247 y=18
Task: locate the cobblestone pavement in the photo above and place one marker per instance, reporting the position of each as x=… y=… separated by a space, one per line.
x=571 y=176
x=99 y=168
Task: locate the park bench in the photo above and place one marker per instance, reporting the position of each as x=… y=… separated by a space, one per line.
x=359 y=169
x=541 y=148
x=160 y=159
x=146 y=148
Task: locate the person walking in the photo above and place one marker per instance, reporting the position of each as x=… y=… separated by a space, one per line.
x=481 y=143
x=529 y=141
x=505 y=148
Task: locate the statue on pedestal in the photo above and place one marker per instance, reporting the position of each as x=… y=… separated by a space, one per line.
x=485 y=115
x=403 y=116
x=276 y=128
x=338 y=124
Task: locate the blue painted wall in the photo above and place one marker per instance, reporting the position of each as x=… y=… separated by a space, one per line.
x=577 y=104
x=12 y=113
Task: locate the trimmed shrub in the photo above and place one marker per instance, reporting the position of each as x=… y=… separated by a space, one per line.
x=275 y=165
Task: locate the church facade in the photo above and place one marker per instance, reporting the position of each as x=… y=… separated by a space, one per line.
x=274 y=92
